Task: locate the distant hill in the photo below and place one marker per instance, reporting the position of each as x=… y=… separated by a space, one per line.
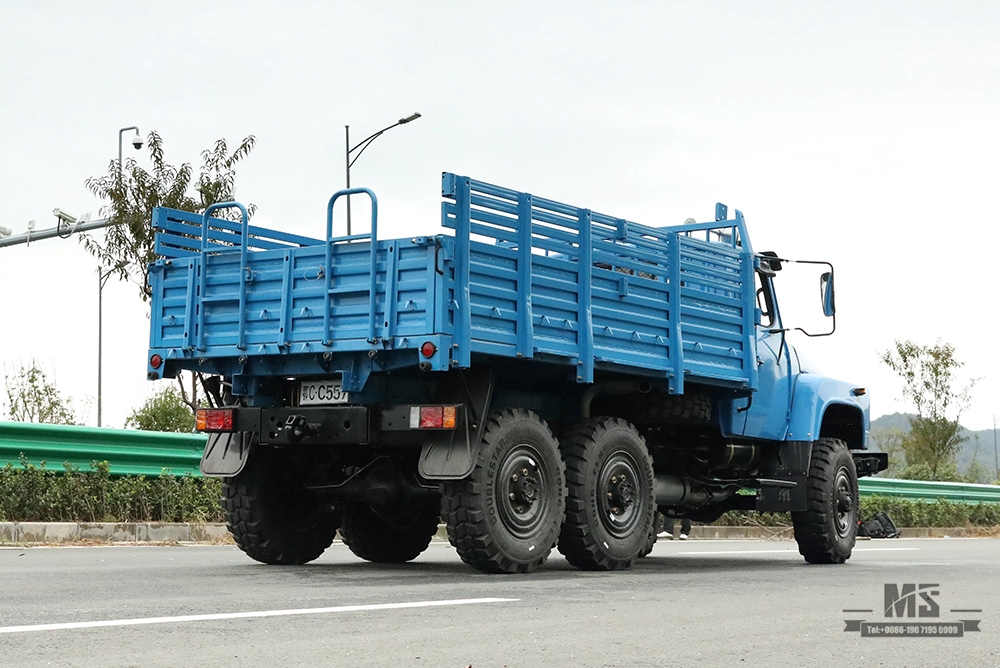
x=980 y=444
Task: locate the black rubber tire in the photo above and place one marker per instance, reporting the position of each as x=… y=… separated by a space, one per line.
x=272 y=518
x=688 y=407
x=693 y=407
x=611 y=506
x=652 y=537
x=827 y=529
x=491 y=531
x=374 y=538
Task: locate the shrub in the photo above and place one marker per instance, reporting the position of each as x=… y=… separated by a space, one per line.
x=30 y=493
x=904 y=513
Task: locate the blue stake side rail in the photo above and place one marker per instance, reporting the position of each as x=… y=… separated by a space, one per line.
x=522 y=277
x=128 y=452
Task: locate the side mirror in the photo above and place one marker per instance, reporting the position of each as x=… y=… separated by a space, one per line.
x=826 y=293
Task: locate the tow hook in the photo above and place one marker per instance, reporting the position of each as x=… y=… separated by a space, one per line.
x=297 y=427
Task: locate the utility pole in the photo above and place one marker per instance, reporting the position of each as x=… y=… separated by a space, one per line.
x=996 y=459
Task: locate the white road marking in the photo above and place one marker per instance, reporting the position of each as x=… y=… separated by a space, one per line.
x=249 y=615
x=796 y=552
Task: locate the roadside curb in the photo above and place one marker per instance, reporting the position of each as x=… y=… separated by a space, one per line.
x=48 y=533
x=56 y=533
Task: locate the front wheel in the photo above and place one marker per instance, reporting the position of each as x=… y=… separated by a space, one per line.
x=505 y=516
x=827 y=529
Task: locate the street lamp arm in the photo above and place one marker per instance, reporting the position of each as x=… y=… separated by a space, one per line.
x=366 y=143
x=360 y=148
x=363 y=144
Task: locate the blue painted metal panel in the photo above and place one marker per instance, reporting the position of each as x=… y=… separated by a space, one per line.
x=702 y=291
x=812 y=395
x=522 y=276
x=179 y=235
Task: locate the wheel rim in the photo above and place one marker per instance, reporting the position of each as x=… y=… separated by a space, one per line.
x=618 y=490
x=522 y=491
x=844 y=503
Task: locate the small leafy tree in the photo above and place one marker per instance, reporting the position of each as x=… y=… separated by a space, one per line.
x=132 y=193
x=929 y=382
x=32 y=397
x=890 y=441
x=164 y=411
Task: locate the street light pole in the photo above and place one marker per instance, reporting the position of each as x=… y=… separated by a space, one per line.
x=102 y=278
x=996 y=457
x=362 y=145
x=347 y=162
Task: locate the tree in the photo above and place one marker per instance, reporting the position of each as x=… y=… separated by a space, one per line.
x=929 y=382
x=164 y=411
x=132 y=193
x=890 y=441
x=31 y=397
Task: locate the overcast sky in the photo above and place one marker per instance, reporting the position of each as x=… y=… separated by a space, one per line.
x=862 y=133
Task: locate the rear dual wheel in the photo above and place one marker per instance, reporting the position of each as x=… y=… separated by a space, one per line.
x=611 y=505
x=505 y=516
x=395 y=540
x=272 y=516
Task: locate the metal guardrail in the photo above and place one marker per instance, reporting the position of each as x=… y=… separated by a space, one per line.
x=926 y=490
x=131 y=452
x=128 y=452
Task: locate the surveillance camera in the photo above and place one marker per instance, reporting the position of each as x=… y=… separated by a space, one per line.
x=5 y=231
x=63 y=216
x=137 y=142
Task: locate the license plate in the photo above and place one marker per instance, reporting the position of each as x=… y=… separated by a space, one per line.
x=321 y=392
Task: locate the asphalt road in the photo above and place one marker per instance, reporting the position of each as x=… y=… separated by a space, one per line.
x=697 y=603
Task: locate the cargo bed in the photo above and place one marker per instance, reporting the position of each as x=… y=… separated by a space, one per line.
x=517 y=277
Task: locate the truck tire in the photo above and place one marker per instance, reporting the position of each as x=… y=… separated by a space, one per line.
x=692 y=407
x=611 y=506
x=271 y=516
x=652 y=537
x=374 y=538
x=505 y=516
x=826 y=530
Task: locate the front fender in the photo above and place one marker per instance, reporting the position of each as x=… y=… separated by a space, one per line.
x=824 y=406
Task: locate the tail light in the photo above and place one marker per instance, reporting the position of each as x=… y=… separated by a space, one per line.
x=433 y=417
x=214 y=419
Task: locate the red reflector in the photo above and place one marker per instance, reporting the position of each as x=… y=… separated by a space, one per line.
x=431 y=417
x=428 y=349
x=215 y=419
x=155 y=361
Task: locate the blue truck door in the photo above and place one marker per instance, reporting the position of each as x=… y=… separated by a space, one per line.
x=766 y=413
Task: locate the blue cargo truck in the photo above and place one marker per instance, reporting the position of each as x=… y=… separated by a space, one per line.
x=542 y=376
